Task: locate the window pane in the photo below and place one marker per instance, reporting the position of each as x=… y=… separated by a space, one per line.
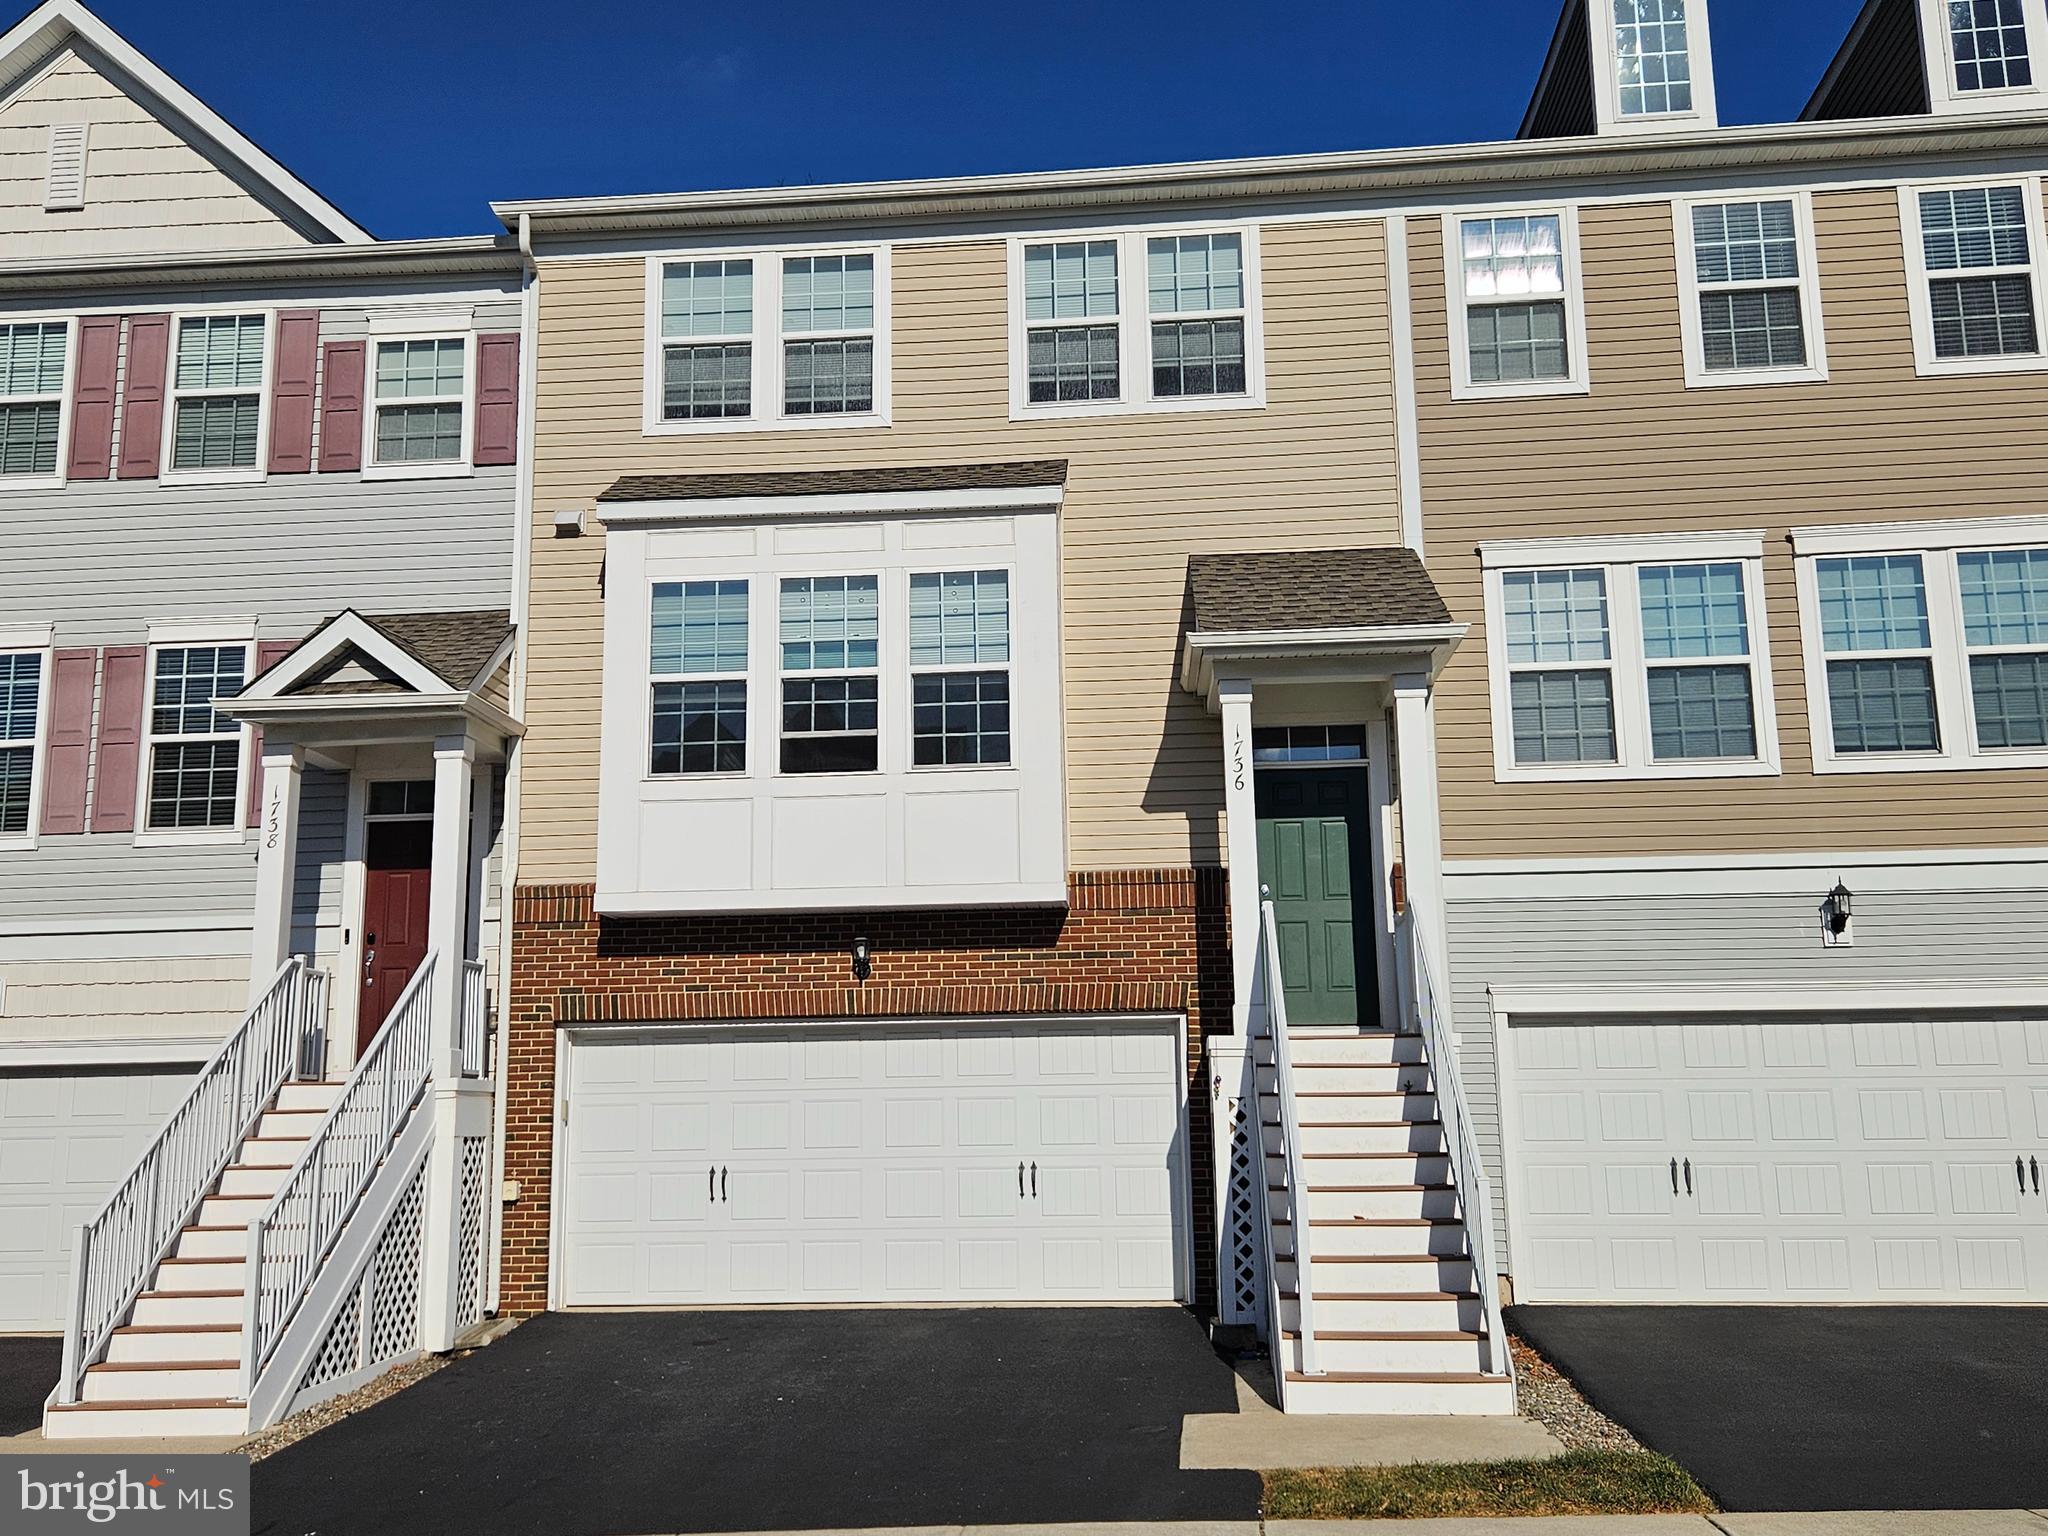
x=1555 y=615
x=32 y=359
x=1983 y=317
x=1760 y=329
x=1963 y=227
x=217 y=432
x=1745 y=242
x=1187 y=274
x=699 y=626
x=828 y=378
x=707 y=298
x=2010 y=697
x=2005 y=596
x=699 y=728
x=1883 y=706
x=17 y=788
x=1513 y=258
x=414 y=370
x=959 y=617
x=1563 y=717
x=1308 y=744
x=1990 y=44
x=1197 y=357
x=960 y=717
x=1072 y=281
x=188 y=680
x=402 y=797
x=830 y=725
x=1514 y=343
x=1651 y=58
x=21 y=688
x=1872 y=603
x=419 y=434
x=707 y=382
x=1701 y=712
x=28 y=438
x=1077 y=362
x=831 y=623
x=1693 y=610
x=192 y=784
x=828 y=293
x=221 y=352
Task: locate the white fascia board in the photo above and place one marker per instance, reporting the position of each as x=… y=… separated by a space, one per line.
x=199 y=631
x=1623 y=549
x=1949 y=533
x=105 y=1053
x=610 y=1031
x=343 y=709
x=1381 y=651
x=324 y=644
x=1776 y=998
x=722 y=509
x=879 y=899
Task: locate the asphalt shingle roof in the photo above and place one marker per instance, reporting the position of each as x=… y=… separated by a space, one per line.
x=840 y=482
x=1312 y=589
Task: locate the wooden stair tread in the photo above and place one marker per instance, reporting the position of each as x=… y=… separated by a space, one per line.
x=1319 y=1260
x=142 y=1404
x=1348 y=1222
x=1385 y=1296
x=1352 y=1336
x=1398 y=1376
x=1361 y=1093
x=179 y=1328
x=1350 y=1125
x=174 y=1295
x=1371 y=1189
x=180 y=1365
x=1329 y=1156
x=236 y=1259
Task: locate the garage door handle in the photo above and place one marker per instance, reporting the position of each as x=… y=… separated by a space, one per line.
x=1020 y=1181
x=1034 y=1181
x=1674 y=1175
x=724 y=1180
x=1688 y=1175
x=2035 y=1164
x=2019 y=1168
x=711 y=1185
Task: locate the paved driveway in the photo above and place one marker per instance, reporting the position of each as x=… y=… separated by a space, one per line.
x=1822 y=1407
x=623 y=1424
x=28 y=1369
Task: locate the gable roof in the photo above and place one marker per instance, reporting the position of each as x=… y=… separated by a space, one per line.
x=56 y=25
x=1267 y=591
x=387 y=653
x=1880 y=69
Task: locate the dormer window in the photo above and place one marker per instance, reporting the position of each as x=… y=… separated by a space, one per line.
x=1652 y=59
x=1988 y=45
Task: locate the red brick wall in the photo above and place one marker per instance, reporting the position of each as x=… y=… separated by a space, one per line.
x=1141 y=941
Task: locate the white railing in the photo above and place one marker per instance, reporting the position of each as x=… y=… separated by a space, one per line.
x=474 y=1024
x=290 y=1240
x=1468 y=1173
x=1268 y=1018
x=117 y=1251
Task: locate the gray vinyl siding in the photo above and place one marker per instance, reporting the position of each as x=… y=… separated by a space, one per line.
x=1749 y=943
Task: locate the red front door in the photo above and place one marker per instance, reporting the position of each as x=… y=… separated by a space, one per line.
x=398 y=859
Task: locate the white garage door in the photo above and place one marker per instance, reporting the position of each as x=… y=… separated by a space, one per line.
x=875 y=1164
x=1779 y=1159
x=65 y=1137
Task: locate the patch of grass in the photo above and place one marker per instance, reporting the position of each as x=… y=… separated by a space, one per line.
x=1576 y=1483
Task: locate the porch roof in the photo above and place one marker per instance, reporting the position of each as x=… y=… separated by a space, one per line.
x=1027 y=475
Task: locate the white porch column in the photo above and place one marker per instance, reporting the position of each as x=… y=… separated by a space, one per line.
x=1422 y=842
x=1241 y=817
x=448 y=894
x=277 y=859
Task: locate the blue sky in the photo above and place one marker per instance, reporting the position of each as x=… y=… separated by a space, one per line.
x=413 y=114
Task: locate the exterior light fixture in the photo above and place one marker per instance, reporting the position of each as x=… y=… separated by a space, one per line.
x=1841 y=907
x=863 y=963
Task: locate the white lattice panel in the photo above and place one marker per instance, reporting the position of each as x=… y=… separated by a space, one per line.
x=469 y=1259
x=394 y=1289
x=342 y=1350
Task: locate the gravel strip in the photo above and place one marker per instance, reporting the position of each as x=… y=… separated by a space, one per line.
x=300 y=1425
x=1552 y=1401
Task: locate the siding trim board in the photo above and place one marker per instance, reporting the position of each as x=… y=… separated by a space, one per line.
x=1513 y=1004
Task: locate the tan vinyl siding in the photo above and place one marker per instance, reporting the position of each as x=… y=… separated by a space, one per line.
x=1643 y=454
x=1314 y=469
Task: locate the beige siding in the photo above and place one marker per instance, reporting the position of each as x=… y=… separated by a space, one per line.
x=147 y=189
x=1644 y=455
x=1314 y=469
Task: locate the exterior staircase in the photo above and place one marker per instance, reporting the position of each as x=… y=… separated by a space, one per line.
x=175 y=1367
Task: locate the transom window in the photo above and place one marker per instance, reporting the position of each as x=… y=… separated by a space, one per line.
x=217 y=382
x=1653 y=63
x=401 y=800
x=1751 y=291
x=830 y=634
x=195 y=752
x=1515 y=301
x=1976 y=262
x=421 y=389
x=1196 y=299
x=959 y=668
x=1988 y=42
x=699 y=668
x=21 y=697
x=1274 y=745
x=32 y=358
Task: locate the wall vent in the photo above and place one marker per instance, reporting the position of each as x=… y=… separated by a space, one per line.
x=66 y=188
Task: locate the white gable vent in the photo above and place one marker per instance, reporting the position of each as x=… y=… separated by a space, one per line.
x=66 y=188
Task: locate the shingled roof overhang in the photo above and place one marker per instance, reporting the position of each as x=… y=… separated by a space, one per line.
x=1024 y=485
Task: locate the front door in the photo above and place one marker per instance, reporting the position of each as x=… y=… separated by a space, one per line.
x=1313 y=858
x=398 y=860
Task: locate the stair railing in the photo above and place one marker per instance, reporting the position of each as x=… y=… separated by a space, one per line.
x=291 y=1239
x=115 y=1253
x=1468 y=1173
x=1268 y=1018
x=474 y=1024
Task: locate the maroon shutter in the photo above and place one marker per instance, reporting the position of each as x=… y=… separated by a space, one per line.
x=113 y=797
x=497 y=399
x=68 y=756
x=291 y=394
x=142 y=404
x=268 y=654
x=341 y=411
x=92 y=400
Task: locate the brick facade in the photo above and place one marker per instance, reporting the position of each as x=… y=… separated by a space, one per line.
x=1140 y=941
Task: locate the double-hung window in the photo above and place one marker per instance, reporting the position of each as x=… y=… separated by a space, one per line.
x=828 y=331
x=32 y=367
x=2005 y=639
x=1751 y=298
x=421 y=410
x=1630 y=658
x=1196 y=298
x=195 y=752
x=960 y=668
x=830 y=632
x=1517 y=319
x=1652 y=58
x=707 y=340
x=698 y=665
x=21 y=701
x=1073 y=338
x=217 y=393
x=1975 y=275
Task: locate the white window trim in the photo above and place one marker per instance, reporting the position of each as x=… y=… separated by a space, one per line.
x=912 y=671
x=1618 y=559
x=34 y=642
x=1699 y=48
x=1134 y=327
x=66 y=411
x=445 y=469
x=1578 y=380
x=746 y=674
x=769 y=413
x=168 y=447
x=1939 y=45
x=1937 y=545
x=1921 y=305
x=163 y=637
x=1697 y=374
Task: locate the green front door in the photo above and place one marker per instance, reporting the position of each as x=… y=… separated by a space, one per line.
x=1313 y=847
